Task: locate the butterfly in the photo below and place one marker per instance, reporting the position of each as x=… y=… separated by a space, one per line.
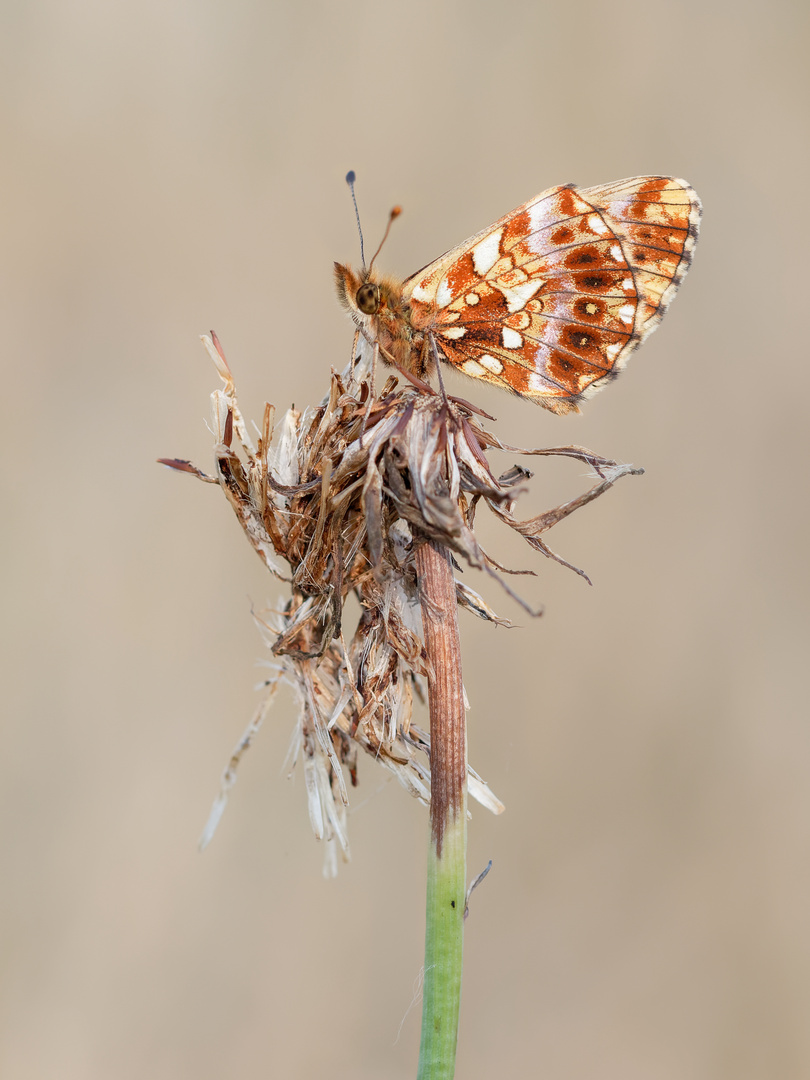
x=549 y=302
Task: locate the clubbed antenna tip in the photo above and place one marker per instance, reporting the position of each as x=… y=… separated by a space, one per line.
x=350 y=179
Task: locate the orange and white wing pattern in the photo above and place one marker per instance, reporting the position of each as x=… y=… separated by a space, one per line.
x=551 y=300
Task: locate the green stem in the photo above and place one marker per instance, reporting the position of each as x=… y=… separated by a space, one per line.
x=446 y=870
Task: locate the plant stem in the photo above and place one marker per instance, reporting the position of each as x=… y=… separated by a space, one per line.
x=447 y=855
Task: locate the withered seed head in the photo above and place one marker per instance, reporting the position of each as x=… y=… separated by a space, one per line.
x=335 y=502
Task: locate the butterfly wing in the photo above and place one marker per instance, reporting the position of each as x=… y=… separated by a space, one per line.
x=657 y=218
x=549 y=301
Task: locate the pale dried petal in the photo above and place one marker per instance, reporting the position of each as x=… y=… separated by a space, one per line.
x=229 y=774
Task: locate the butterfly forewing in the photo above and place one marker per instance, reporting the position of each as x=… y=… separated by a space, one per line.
x=549 y=301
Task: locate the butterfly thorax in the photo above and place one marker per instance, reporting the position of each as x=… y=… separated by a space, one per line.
x=385 y=317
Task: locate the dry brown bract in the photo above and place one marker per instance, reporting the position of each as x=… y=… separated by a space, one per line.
x=334 y=502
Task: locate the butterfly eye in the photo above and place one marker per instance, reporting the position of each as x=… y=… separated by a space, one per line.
x=368 y=298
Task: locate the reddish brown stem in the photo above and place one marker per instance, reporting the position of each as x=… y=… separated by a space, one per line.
x=448 y=733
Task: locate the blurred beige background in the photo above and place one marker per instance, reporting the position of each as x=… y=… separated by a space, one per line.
x=171 y=167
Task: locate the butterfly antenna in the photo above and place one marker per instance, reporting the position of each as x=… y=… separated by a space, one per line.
x=396 y=211
x=350 y=179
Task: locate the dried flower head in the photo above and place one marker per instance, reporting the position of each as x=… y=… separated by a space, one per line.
x=335 y=502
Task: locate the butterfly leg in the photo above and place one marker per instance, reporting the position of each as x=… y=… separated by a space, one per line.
x=434 y=349
x=375 y=356
x=372 y=379
x=355 y=354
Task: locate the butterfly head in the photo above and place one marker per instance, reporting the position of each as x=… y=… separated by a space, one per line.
x=367 y=296
x=359 y=296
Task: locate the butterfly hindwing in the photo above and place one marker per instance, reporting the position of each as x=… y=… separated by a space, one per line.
x=658 y=218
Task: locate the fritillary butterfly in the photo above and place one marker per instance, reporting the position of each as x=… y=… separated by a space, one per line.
x=548 y=302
